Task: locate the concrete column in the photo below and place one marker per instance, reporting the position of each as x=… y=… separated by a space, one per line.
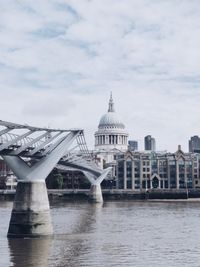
x=133 y=175
x=158 y=167
x=159 y=183
x=117 y=176
x=107 y=140
x=141 y=173
x=125 y=178
x=177 y=175
x=30 y=214
x=120 y=139
x=168 y=173
x=185 y=173
x=95 y=194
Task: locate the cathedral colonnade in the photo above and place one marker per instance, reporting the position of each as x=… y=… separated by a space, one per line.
x=110 y=139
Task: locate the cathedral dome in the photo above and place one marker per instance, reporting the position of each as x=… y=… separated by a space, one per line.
x=111 y=133
x=110 y=119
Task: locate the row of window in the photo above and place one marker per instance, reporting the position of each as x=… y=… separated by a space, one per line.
x=155 y=184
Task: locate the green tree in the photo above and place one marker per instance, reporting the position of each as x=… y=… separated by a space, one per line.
x=58 y=181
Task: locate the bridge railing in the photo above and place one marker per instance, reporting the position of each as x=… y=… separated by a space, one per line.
x=7 y=137
x=28 y=141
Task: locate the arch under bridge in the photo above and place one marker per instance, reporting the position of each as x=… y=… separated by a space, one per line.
x=32 y=153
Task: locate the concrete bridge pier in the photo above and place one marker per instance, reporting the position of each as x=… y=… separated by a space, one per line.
x=95 y=194
x=30 y=215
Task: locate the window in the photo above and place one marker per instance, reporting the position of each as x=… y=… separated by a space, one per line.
x=143 y=184
x=129 y=169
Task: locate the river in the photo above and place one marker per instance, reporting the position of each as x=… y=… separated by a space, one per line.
x=121 y=234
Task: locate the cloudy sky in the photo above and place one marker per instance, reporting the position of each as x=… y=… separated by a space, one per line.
x=59 y=60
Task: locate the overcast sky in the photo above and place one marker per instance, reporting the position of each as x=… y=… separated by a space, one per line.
x=59 y=60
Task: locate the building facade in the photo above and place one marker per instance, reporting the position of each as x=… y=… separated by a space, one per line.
x=147 y=170
x=149 y=143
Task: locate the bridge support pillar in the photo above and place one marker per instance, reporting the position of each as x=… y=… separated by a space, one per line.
x=30 y=214
x=95 y=194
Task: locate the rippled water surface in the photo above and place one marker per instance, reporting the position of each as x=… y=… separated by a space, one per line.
x=115 y=234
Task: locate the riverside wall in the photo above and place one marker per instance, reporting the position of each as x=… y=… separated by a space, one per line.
x=114 y=194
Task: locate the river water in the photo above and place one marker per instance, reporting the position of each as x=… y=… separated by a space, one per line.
x=116 y=234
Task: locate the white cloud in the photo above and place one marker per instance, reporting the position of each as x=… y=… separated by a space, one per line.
x=60 y=59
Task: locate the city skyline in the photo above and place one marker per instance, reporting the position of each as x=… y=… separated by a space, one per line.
x=60 y=60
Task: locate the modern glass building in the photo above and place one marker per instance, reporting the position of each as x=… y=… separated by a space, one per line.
x=149 y=143
x=132 y=145
x=194 y=144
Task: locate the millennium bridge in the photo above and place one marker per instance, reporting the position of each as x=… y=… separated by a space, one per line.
x=32 y=153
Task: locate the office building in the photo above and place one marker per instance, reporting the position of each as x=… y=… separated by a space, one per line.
x=194 y=144
x=149 y=143
x=132 y=145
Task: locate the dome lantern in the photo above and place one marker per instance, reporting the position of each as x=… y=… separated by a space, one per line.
x=111 y=104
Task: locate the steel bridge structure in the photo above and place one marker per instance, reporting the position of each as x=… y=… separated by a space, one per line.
x=32 y=153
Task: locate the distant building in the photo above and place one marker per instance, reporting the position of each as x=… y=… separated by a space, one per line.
x=147 y=170
x=6 y=174
x=194 y=144
x=133 y=145
x=149 y=143
x=11 y=181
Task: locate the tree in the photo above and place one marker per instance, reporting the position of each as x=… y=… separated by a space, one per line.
x=58 y=181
